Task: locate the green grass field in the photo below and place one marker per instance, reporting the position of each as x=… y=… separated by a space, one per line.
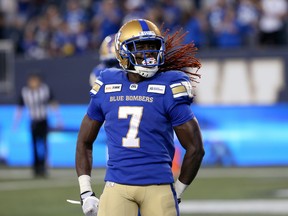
x=22 y=195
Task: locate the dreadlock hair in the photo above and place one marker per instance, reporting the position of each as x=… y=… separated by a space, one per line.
x=179 y=56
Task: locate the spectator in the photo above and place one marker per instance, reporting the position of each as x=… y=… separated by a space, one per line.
x=272 y=26
x=81 y=39
x=94 y=20
x=31 y=48
x=228 y=32
x=106 y=21
x=171 y=11
x=62 y=43
x=197 y=28
x=134 y=9
x=42 y=33
x=53 y=17
x=74 y=16
x=247 y=16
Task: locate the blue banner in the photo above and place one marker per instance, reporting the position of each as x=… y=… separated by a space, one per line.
x=233 y=136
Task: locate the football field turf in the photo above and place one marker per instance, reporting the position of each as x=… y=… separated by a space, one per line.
x=215 y=192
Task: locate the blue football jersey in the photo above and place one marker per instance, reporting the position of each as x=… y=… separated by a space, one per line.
x=138 y=121
x=96 y=70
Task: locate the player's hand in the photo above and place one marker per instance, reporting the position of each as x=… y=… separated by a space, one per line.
x=89 y=203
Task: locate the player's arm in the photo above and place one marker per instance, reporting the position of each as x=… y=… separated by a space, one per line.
x=189 y=135
x=87 y=134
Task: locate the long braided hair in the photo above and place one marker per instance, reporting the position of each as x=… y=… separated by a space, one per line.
x=179 y=56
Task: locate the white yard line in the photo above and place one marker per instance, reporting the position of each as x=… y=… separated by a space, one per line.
x=236 y=206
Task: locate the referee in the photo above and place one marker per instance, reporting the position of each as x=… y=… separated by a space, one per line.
x=36 y=97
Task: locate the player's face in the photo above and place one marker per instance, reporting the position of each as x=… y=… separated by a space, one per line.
x=142 y=46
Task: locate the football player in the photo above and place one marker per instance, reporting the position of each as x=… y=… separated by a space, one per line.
x=141 y=105
x=107 y=57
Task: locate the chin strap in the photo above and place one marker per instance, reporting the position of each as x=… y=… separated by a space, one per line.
x=145 y=71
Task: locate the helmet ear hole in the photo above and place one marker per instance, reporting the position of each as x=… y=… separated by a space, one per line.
x=123 y=54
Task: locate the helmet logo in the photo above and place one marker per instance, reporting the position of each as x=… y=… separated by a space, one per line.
x=144 y=33
x=149 y=61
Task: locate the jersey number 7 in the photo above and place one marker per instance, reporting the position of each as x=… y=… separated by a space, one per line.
x=131 y=140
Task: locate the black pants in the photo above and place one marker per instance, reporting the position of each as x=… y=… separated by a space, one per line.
x=39 y=130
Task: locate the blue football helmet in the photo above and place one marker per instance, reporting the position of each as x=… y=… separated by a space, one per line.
x=135 y=32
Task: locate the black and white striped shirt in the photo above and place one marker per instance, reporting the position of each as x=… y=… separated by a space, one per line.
x=37 y=101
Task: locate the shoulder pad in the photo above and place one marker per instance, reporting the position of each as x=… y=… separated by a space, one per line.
x=97 y=85
x=180 y=89
x=180 y=84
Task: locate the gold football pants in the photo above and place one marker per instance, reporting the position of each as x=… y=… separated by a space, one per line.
x=125 y=200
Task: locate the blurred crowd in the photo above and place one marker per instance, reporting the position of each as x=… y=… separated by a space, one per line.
x=57 y=28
